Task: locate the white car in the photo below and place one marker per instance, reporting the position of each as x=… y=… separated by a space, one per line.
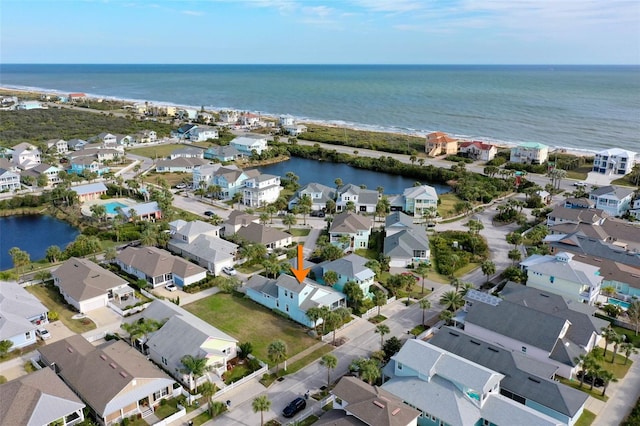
x=229 y=271
x=171 y=287
x=43 y=333
x=580 y=184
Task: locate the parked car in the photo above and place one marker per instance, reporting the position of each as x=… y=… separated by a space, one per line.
x=43 y=333
x=588 y=379
x=171 y=287
x=229 y=270
x=181 y=186
x=580 y=184
x=209 y=213
x=294 y=407
x=317 y=213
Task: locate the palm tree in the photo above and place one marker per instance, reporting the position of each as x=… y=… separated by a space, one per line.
x=424 y=305
x=333 y=321
x=452 y=301
x=338 y=183
x=617 y=340
x=609 y=335
x=330 y=361
x=5 y=345
x=633 y=313
x=314 y=314
x=261 y=404
x=515 y=255
x=422 y=270
x=370 y=371
x=237 y=197
x=195 y=367
x=277 y=352
x=208 y=389
x=264 y=218
x=271 y=210
x=289 y=220
x=607 y=377
x=380 y=299
x=446 y=316
x=382 y=329
x=330 y=278
x=488 y=268
x=628 y=349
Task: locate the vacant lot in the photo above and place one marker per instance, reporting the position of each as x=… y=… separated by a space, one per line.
x=50 y=298
x=249 y=322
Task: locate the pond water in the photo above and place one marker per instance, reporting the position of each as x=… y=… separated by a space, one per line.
x=326 y=173
x=33 y=234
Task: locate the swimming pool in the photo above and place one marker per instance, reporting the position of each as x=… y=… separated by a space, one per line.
x=620 y=303
x=112 y=207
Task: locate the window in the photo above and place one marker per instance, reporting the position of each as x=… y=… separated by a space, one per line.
x=399 y=366
x=164 y=360
x=286 y=308
x=27 y=335
x=485 y=422
x=285 y=293
x=524 y=349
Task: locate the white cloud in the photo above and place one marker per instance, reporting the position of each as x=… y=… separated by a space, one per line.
x=192 y=12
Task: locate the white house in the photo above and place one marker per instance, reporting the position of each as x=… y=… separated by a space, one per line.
x=25 y=155
x=271 y=238
x=295 y=130
x=286 y=120
x=261 y=190
x=477 y=150
x=187 y=152
x=9 y=180
x=229 y=116
x=59 y=146
x=365 y=200
x=21 y=313
x=614 y=161
x=614 y=200
x=247 y=144
x=201 y=134
x=420 y=200
x=529 y=153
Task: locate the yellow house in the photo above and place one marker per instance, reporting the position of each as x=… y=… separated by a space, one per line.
x=439 y=143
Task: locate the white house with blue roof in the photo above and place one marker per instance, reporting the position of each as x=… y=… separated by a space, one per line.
x=247 y=144
x=21 y=313
x=287 y=296
x=529 y=153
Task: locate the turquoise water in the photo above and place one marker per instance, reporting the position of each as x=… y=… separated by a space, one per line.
x=577 y=107
x=112 y=207
x=620 y=303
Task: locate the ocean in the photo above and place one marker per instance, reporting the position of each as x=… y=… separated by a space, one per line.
x=586 y=108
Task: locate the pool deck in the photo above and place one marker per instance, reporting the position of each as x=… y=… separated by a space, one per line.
x=86 y=207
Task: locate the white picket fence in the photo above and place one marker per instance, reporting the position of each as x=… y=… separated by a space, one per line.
x=374 y=311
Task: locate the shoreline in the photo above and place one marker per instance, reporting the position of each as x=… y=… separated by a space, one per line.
x=500 y=144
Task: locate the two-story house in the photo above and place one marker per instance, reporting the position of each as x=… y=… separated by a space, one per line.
x=420 y=200
x=615 y=200
x=47 y=170
x=57 y=146
x=201 y=134
x=351 y=268
x=477 y=150
x=450 y=390
x=25 y=156
x=350 y=231
x=405 y=243
x=229 y=116
x=187 y=152
x=261 y=190
x=563 y=215
x=146 y=136
x=560 y=274
x=529 y=153
x=108 y=140
x=286 y=295
x=9 y=180
x=614 y=161
x=236 y=220
x=318 y=193
x=200 y=242
x=230 y=180
x=222 y=153
x=82 y=164
x=439 y=143
x=364 y=200
x=21 y=313
x=250 y=143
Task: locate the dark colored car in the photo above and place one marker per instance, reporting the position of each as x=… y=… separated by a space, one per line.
x=317 y=213
x=209 y=213
x=294 y=407
x=588 y=379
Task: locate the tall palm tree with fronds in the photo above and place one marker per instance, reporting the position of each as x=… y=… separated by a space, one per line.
x=330 y=361
x=277 y=352
x=195 y=367
x=382 y=329
x=452 y=300
x=424 y=305
x=261 y=404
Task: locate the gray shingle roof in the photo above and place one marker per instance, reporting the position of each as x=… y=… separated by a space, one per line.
x=403 y=243
x=258 y=233
x=573 y=271
x=16 y=307
x=350 y=223
x=82 y=279
x=619 y=192
x=351 y=266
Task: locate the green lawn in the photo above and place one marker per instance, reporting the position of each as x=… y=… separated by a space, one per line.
x=248 y=321
x=245 y=269
x=50 y=298
x=308 y=359
x=165 y=410
x=447 y=203
x=618 y=368
x=299 y=232
x=161 y=151
x=586 y=418
x=574 y=383
x=631 y=335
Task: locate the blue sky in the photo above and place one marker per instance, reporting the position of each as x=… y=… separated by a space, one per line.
x=321 y=32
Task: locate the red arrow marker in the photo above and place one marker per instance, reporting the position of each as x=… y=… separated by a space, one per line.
x=299 y=272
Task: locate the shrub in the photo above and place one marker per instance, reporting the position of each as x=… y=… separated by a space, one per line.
x=53 y=316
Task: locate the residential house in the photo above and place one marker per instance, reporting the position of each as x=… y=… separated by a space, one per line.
x=39 y=398
x=201 y=134
x=27 y=105
x=364 y=200
x=420 y=200
x=231 y=180
x=46 y=170
x=529 y=153
x=527 y=380
x=617 y=232
x=439 y=143
x=236 y=220
x=295 y=129
x=186 y=114
x=25 y=156
x=355 y=228
x=58 y=146
x=203 y=176
x=9 y=180
x=562 y=215
x=539 y=324
x=229 y=116
x=87 y=163
x=200 y=242
x=358 y=403
x=114 y=379
x=249 y=119
x=146 y=136
x=205 y=117
x=187 y=152
x=635 y=208
x=450 y=390
x=184 y=132
x=614 y=161
x=579 y=203
x=76 y=144
x=560 y=274
x=222 y=153
x=477 y=150
x=74 y=97
x=90 y=191
x=318 y=193
x=183 y=333
x=286 y=295
x=107 y=140
x=87 y=286
x=150 y=211
x=405 y=243
x=261 y=190
x=286 y=120
x=271 y=238
x=159 y=267
x=250 y=143
x=179 y=165
x=21 y=313
x=351 y=268
x=124 y=140
x=615 y=200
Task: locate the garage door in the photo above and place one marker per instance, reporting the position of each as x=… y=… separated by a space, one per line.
x=91 y=304
x=398 y=263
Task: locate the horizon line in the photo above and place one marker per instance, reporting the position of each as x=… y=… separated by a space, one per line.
x=331 y=64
